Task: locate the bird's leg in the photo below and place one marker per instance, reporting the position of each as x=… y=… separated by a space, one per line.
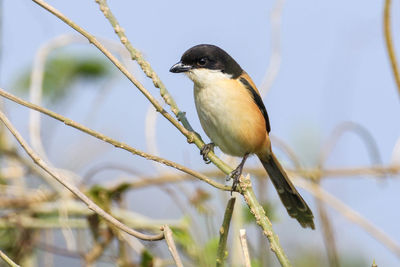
x=205 y=150
x=235 y=174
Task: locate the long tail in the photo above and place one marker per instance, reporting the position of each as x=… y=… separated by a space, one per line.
x=291 y=199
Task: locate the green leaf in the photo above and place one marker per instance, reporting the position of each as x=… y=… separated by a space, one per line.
x=101 y=196
x=146 y=259
x=62 y=71
x=210 y=252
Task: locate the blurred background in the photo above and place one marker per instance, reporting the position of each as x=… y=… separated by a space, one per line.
x=327 y=83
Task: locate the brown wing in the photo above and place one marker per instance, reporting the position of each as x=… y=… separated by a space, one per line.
x=249 y=84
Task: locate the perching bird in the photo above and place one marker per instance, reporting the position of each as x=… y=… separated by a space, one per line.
x=234 y=117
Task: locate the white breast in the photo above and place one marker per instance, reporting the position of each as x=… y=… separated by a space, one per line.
x=216 y=106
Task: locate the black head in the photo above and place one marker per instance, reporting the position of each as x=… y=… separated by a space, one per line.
x=208 y=57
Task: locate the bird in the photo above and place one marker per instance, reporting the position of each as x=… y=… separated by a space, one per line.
x=234 y=117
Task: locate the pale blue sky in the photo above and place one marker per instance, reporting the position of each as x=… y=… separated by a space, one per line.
x=334 y=68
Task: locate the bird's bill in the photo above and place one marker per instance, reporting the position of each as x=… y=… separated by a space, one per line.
x=180 y=67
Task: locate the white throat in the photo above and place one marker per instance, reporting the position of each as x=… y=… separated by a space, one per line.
x=206 y=77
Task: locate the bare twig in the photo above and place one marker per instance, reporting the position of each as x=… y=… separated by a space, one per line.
x=360 y=131
x=245 y=248
x=86 y=179
x=275 y=60
x=26 y=200
x=8 y=260
x=350 y=214
x=192 y=137
x=314 y=173
x=389 y=43
x=223 y=233
x=36 y=86
x=287 y=150
x=372 y=148
x=111 y=141
x=328 y=233
x=72 y=188
x=68 y=253
x=150 y=129
x=98 y=248
x=171 y=246
x=144 y=65
x=311 y=174
x=262 y=220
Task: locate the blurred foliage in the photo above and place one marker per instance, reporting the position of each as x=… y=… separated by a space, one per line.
x=147 y=260
x=62 y=71
x=202 y=255
x=103 y=196
x=199 y=201
x=17 y=243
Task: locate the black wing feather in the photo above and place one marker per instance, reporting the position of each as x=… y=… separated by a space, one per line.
x=258 y=100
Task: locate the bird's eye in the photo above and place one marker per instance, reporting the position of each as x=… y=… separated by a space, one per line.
x=202 y=61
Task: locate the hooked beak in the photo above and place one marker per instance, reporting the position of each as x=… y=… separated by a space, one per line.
x=180 y=67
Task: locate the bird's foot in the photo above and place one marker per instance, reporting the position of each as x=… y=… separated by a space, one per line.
x=235 y=175
x=205 y=150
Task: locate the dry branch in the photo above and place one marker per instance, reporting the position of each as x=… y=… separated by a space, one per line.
x=389 y=43
x=245 y=247
x=62 y=180
x=8 y=260
x=111 y=141
x=246 y=191
x=171 y=246
x=224 y=231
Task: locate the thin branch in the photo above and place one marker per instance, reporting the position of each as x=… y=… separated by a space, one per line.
x=144 y=65
x=26 y=200
x=68 y=253
x=310 y=174
x=287 y=150
x=72 y=188
x=389 y=43
x=111 y=141
x=185 y=130
x=98 y=248
x=328 y=233
x=93 y=171
x=262 y=220
x=314 y=173
x=8 y=260
x=150 y=130
x=171 y=246
x=36 y=86
x=276 y=57
x=192 y=137
x=223 y=233
x=360 y=131
x=245 y=247
x=350 y=214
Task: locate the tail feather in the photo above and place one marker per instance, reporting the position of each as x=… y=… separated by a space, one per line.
x=290 y=197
